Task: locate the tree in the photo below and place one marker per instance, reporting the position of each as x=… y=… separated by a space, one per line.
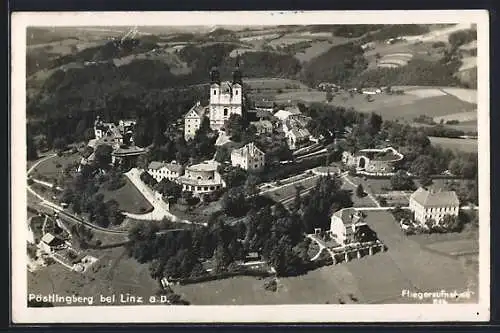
x=423 y=166
x=32 y=153
x=234 y=202
x=360 y=191
x=235 y=127
x=251 y=185
x=59 y=144
x=234 y=176
x=103 y=156
x=222 y=154
x=169 y=188
x=401 y=181
x=329 y=96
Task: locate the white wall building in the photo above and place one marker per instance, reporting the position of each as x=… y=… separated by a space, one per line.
x=161 y=170
x=193 y=119
x=201 y=178
x=248 y=157
x=433 y=205
x=344 y=224
x=226 y=98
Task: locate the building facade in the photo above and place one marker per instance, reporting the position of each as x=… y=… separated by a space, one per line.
x=377 y=161
x=344 y=224
x=201 y=178
x=161 y=170
x=248 y=157
x=193 y=119
x=431 y=205
x=226 y=98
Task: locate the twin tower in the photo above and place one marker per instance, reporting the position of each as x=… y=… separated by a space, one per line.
x=225 y=97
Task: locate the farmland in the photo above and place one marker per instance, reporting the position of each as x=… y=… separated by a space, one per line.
x=406 y=107
x=466 y=145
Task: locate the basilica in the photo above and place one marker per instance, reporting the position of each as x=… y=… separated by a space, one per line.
x=225 y=99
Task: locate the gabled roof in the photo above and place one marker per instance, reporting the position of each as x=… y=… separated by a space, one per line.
x=48 y=238
x=197 y=111
x=155 y=165
x=300 y=132
x=430 y=199
x=348 y=216
x=249 y=149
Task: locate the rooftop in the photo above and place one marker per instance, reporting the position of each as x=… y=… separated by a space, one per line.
x=198 y=109
x=131 y=150
x=349 y=216
x=155 y=165
x=435 y=198
x=204 y=166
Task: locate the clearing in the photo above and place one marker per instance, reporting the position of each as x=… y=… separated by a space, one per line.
x=114 y=273
x=129 y=198
x=466 y=145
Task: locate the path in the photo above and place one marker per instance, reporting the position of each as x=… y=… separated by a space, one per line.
x=160 y=207
x=346 y=178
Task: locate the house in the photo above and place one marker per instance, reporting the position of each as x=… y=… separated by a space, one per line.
x=297 y=137
x=50 y=243
x=344 y=224
x=428 y=204
x=263 y=126
x=161 y=170
x=193 y=119
x=282 y=115
x=248 y=157
x=201 y=178
x=226 y=98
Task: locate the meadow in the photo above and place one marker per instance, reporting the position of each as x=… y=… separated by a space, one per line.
x=466 y=145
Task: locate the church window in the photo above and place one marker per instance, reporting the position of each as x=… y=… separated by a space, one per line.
x=236 y=92
x=215 y=92
x=225 y=112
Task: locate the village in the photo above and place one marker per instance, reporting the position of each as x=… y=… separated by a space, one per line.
x=247 y=184
x=347 y=237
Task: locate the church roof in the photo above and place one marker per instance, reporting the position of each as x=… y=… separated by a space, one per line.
x=435 y=199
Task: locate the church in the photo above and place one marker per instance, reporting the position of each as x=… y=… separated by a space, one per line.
x=225 y=99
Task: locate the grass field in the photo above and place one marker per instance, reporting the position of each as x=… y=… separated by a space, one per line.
x=466 y=145
x=405 y=107
x=301 y=96
x=115 y=274
x=129 y=199
x=373 y=279
x=274 y=84
x=52 y=168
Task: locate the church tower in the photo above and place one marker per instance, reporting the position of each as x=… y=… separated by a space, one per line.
x=225 y=97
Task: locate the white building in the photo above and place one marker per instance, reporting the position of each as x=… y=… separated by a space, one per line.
x=193 y=119
x=49 y=243
x=226 y=98
x=297 y=137
x=248 y=157
x=161 y=170
x=433 y=205
x=344 y=223
x=201 y=178
x=263 y=126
